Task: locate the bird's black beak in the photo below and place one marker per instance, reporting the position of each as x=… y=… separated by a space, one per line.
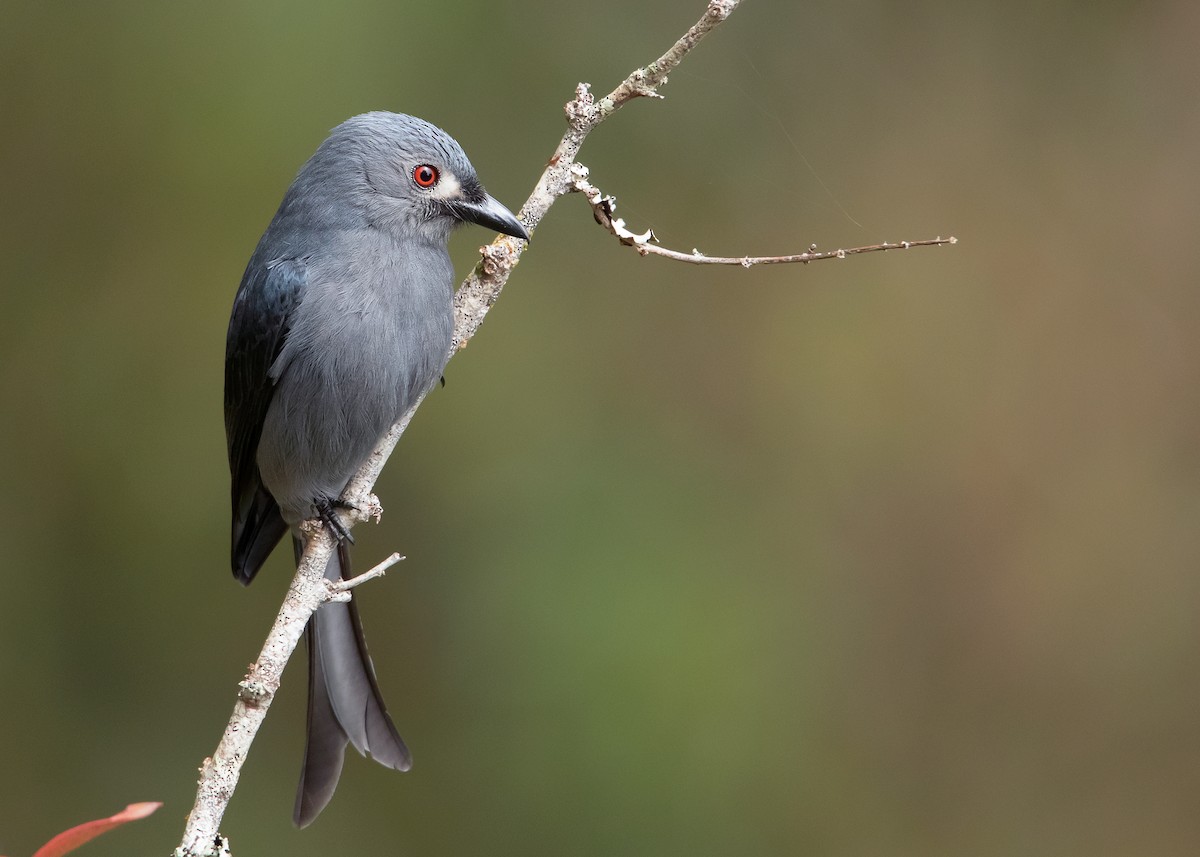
x=490 y=214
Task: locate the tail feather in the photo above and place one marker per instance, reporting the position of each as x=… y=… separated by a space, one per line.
x=345 y=705
x=324 y=747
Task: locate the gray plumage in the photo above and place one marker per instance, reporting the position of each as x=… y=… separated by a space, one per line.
x=342 y=320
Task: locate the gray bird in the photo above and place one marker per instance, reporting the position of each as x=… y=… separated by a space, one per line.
x=343 y=318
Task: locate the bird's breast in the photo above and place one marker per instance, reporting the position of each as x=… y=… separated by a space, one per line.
x=371 y=334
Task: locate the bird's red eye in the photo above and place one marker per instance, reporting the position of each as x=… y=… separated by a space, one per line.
x=425 y=175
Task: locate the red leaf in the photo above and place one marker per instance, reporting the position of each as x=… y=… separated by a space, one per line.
x=71 y=839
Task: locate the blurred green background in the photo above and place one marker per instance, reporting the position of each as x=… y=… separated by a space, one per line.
x=894 y=556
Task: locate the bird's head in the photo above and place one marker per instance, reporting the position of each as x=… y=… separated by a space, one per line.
x=408 y=176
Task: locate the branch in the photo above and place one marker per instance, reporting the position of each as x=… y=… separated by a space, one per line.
x=483 y=286
x=474 y=298
x=219 y=773
x=646 y=243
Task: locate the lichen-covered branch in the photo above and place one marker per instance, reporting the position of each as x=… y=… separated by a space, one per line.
x=219 y=773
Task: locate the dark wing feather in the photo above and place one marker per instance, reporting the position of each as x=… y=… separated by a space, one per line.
x=269 y=294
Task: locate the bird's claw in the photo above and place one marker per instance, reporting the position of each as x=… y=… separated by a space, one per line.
x=327 y=513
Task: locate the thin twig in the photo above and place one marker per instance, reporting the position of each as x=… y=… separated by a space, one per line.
x=812 y=255
x=343 y=587
x=646 y=243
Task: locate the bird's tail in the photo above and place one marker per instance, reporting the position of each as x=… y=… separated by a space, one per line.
x=344 y=702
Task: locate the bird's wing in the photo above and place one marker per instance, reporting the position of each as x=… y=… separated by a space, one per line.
x=262 y=312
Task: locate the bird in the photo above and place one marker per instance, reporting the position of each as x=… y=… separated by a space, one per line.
x=342 y=320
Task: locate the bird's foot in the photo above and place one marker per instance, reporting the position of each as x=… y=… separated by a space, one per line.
x=327 y=513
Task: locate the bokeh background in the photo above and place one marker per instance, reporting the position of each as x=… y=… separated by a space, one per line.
x=895 y=555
